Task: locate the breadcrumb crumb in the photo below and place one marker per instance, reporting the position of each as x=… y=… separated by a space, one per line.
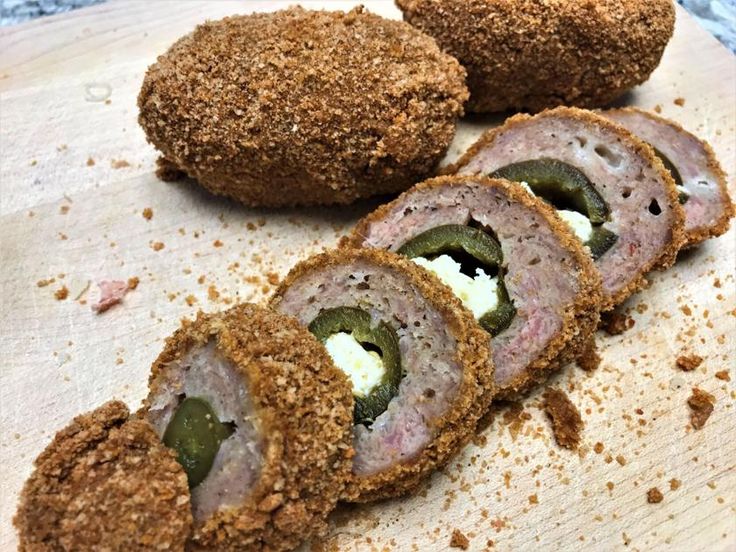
x=688 y=363
x=701 y=403
x=654 y=496
x=566 y=420
x=459 y=540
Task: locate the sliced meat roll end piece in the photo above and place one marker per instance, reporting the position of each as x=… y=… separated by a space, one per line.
x=638 y=195
x=694 y=167
x=105 y=483
x=549 y=277
x=261 y=419
x=446 y=377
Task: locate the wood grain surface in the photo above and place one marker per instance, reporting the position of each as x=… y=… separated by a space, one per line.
x=76 y=174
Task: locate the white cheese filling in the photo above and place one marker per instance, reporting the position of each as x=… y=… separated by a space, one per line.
x=579 y=223
x=477 y=294
x=364 y=368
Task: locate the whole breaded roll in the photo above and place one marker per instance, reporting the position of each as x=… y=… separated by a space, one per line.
x=260 y=418
x=302 y=107
x=105 y=483
x=419 y=364
x=691 y=161
x=530 y=55
x=604 y=181
x=508 y=257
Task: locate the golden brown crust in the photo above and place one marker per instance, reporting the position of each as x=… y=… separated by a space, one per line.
x=531 y=55
x=455 y=428
x=669 y=253
x=105 y=480
x=580 y=319
x=305 y=411
x=303 y=107
x=720 y=226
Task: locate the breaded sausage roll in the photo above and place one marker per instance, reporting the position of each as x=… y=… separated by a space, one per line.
x=701 y=181
x=105 y=483
x=527 y=279
x=418 y=362
x=260 y=420
x=605 y=182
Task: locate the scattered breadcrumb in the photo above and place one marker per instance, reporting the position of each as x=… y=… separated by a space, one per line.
x=147 y=213
x=701 y=403
x=616 y=323
x=658 y=108
x=654 y=496
x=190 y=300
x=589 y=360
x=621 y=460
x=680 y=101
x=111 y=293
x=64 y=209
x=533 y=499
x=273 y=278
x=44 y=282
x=133 y=282
x=157 y=246
x=723 y=375
x=598 y=447
x=90 y=162
x=566 y=420
x=459 y=540
x=61 y=293
x=212 y=293
x=688 y=363
x=119 y=163
x=675 y=484
x=217 y=243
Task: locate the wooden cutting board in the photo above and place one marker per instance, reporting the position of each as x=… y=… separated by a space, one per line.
x=76 y=175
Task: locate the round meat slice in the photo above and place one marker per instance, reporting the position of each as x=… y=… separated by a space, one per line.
x=105 y=483
x=606 y=183
x=260 y=419
x=701 y=181
x=302 y=107
x=419 y=364
x=508 y=257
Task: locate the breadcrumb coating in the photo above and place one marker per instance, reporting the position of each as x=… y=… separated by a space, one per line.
x=305 y=407
x=530 y=55
x=105 y=483
x=302 y=107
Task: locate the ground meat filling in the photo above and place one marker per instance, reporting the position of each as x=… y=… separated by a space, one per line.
x=427 y=351
x=203 y=375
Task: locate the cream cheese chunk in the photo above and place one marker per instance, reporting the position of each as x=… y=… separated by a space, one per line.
x=579 y=223
x=478 y=294
x=364 y=368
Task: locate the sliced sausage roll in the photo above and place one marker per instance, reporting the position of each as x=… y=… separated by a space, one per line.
x=260 y=420
x=508 y=257
x=105 y=483
x=419 y=364
x=701 y=181
x=606 y=183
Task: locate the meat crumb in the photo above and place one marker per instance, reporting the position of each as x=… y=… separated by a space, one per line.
x=675 y=484
x=679 y=101
x=723 y=375
x=654 y=496
x=111 y=293
x=61 y=293
x=616 y=323
x=459 y=540
x=701 y=403
x=566 y=420
x=688 y=363
x=119 y=163
x=147 y=213
x=589 y=360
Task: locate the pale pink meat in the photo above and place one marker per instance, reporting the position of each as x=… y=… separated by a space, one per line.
x=111 y=293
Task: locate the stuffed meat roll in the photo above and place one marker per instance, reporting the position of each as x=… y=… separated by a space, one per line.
x=418 y=362
x=508 y=257
x=105 y=483
x=260 y=420
x=606 y=183
x=701 y=181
